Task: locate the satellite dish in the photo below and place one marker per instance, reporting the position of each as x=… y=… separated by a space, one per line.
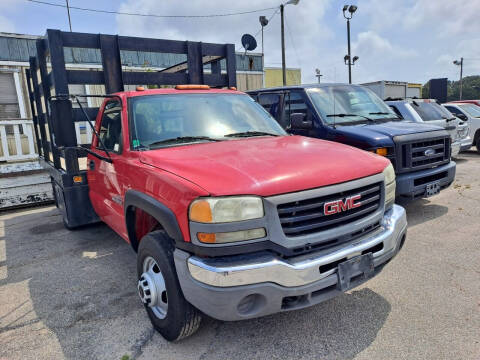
x=249 y=42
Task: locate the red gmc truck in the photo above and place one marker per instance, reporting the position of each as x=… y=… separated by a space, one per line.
x=230 y=216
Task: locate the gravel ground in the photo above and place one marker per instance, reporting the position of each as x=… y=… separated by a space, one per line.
x=72 y=295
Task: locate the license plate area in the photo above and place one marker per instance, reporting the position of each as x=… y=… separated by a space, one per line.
x=355 y=271
x=432 y=189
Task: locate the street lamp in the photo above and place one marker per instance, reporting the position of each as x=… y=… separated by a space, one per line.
x=460 y=63
x=284 y=70
x=263 y=22
x=348 y=11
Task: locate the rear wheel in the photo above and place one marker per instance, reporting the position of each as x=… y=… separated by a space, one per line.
x=158 y=287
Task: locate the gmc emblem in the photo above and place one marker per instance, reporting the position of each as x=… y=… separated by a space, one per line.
x=337 y=206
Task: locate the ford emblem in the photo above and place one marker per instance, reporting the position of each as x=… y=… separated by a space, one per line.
x=429 y=152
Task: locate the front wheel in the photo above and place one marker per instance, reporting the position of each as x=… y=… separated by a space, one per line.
x=477 y=144
x=158 y=287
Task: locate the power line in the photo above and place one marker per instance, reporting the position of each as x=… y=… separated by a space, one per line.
x=151 y=15
x=293 y=43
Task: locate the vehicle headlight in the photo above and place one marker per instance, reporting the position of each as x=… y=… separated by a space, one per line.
x=226 y=209
x=390 y=186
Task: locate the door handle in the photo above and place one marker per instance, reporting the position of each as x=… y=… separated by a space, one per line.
x=91 y=165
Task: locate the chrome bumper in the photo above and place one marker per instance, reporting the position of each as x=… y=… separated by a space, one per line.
x=267 y=268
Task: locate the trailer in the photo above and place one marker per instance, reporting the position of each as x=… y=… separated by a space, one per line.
x=56 y=120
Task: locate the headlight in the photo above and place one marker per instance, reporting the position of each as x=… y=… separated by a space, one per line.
x=227 y=209
x=390 y=185
x=233 y=236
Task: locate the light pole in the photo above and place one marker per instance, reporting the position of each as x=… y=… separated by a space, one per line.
x=348 y=58
x=318 y=74
x=460 y=63
x=264 y=22
x=284 y=70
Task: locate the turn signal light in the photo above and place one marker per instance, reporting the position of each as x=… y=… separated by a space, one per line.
x=200 y=211
x=381 y=151
x=192 y=87
x=207 y=238
x=77 y=179
x=232 y=88
x=140 y=88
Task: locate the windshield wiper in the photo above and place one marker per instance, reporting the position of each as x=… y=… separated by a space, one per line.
x=348 y=115
x=250 y=133
x=182 y=139
x=386 y=113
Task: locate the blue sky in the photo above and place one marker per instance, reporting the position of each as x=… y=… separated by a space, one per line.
x=408 y=40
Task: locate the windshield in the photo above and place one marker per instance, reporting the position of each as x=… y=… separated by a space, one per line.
x=429 y=111
x=351 y=100
x=471 y=110
x=184 y=118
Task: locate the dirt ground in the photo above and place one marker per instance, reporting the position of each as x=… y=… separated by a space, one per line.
x=72 y=295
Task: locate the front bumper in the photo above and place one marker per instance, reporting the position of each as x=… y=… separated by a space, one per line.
x=414 y=184
x=455 y=148
x=465 y=143
x=247 y=286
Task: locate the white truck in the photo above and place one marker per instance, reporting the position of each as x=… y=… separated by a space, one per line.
x=394 y=89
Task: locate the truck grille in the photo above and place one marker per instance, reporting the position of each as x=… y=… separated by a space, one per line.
x=423 y=154
x=307 y=216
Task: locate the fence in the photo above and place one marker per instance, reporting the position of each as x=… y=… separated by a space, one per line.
x=17 y=144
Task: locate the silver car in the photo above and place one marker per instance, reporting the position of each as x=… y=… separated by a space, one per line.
x=470 y=113
x=429 y=111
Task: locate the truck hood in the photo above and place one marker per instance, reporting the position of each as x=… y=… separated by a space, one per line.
x=387 y=130
x=265 y=165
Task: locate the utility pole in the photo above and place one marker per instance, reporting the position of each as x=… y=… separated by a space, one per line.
x=284 y=70
x=282 y=29
x=68 y=12
x=460 y=63
x=263 y=22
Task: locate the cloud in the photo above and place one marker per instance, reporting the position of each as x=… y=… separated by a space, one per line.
x=6 y=25
x=306 y=34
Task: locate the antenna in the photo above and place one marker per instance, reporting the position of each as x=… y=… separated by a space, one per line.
x=249 y=43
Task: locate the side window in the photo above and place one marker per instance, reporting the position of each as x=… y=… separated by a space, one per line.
x=111 y=127
x=295 y=103
x=271 y=103
x=453 y=110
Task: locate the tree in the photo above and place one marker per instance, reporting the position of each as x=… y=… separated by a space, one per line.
x=470 y=91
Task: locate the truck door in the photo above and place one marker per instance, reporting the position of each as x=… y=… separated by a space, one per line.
x=296 y=103
x=104 y=178
x=273 y=103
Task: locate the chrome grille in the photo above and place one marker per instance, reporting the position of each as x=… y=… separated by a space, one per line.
x=413 y=154
x=307 y=216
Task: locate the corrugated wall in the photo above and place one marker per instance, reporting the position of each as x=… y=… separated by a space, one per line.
x=273 y=77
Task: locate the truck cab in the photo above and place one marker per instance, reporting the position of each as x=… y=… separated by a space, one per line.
x=354 y=115
x=230 y=216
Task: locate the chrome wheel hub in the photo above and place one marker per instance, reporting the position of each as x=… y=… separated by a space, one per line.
x=151 y=288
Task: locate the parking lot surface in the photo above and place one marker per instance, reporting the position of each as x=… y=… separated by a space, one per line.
x=73 y=295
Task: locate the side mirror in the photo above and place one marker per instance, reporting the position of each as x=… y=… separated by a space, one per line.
x=300 y=121
x=462 y=117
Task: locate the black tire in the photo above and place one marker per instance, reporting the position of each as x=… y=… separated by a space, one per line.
x=477 y=144
x=182 y=319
